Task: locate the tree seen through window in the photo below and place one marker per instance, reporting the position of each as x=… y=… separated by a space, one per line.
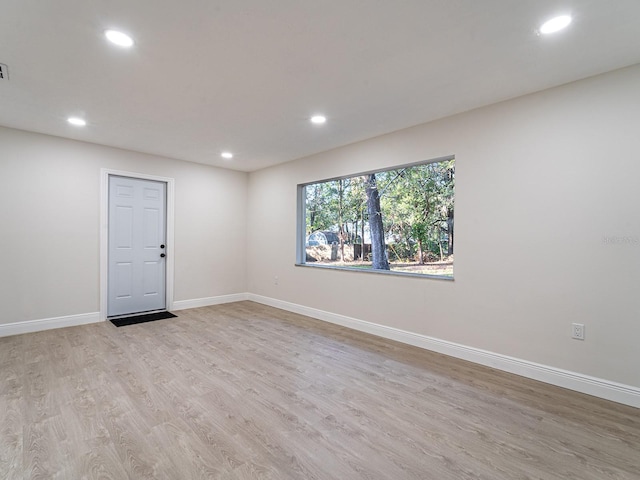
x=398 y=220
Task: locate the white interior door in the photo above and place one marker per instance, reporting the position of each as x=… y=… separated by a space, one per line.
x=137 y=246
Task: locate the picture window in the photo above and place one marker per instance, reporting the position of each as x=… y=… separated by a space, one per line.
x=398 y=220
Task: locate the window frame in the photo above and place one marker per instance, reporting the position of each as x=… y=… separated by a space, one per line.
x=301 y=251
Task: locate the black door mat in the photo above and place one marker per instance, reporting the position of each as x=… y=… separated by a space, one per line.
x=149 y=317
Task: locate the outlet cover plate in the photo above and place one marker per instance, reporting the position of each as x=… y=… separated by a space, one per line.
x=577 y=331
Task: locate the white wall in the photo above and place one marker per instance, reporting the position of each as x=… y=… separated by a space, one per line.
x=49 y=225
x=546 y=178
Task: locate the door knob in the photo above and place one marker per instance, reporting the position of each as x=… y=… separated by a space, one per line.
x=162 y=246
x=162 y=255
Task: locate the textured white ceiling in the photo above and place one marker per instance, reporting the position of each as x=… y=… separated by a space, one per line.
x=246 y=75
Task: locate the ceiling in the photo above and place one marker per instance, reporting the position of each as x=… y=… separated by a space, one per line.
x=206 y=76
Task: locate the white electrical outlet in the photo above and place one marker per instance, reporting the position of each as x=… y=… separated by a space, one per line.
x=577 y=331
x=275 y=280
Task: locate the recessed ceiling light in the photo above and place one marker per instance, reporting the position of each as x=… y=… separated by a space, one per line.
x=119 y=38
x=77 y=121
x=227 y=155
x=555 y=24
x=318 y=119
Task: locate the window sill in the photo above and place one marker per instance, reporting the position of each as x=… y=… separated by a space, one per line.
x=379 y=272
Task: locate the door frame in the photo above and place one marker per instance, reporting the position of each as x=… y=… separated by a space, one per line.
x=105 y=173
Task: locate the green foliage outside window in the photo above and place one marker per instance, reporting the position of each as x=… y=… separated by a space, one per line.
x=399 y=220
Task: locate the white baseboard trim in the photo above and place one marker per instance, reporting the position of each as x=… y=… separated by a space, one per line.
x=598 y=387
x=30 y=326
x=205 y=302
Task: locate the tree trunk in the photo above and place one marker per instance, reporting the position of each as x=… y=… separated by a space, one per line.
x=420 y=256
x=340 y=217
x=314 y=209
x=450 y=231
x=407 y=242
x=378 y=253
x=362 y=234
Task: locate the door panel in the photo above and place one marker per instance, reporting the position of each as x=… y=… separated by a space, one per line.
x=124 y=280
x=124 y=227
x=137 y=272
x=151 y=277
x=152 y=231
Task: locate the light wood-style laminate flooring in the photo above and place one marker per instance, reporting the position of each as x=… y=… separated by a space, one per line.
x=245 y=391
